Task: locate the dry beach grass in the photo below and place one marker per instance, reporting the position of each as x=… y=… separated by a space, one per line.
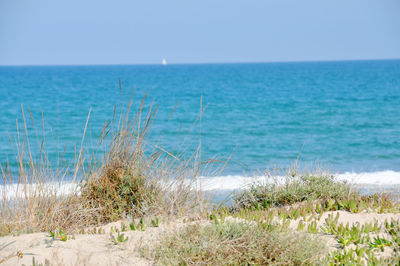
x=124 y=180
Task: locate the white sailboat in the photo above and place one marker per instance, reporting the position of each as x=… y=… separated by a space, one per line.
x=164 y=62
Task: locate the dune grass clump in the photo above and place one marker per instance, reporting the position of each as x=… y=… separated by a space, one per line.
x=236 y=243
x=132 y=181
x=293 y=189
x=120 y=190
x=118 y=178
x=122 y=185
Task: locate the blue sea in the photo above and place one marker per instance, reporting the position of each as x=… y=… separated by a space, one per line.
x=344 y=116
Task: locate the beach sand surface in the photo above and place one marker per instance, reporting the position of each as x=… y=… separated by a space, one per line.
x=99 y=249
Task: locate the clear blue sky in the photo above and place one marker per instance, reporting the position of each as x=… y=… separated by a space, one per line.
x=39 y=32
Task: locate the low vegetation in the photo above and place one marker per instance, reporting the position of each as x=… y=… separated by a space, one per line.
x=281 y=221
x=288 y=223
x=236 y=243
x=292 y=189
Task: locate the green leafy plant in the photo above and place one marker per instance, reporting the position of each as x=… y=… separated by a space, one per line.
x=343 y=257
x=132 y=226
x=312 y=228
x=59 y=234
x=123 y=227
x=380 y=243
x=119 y=238
x=155 y=222
x=113 y=229
x=141 y=226
x=330 y=225
x=301 y=225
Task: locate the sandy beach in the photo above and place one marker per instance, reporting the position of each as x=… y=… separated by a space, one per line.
x=99 y=249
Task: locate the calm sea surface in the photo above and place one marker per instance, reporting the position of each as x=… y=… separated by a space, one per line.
x=343 y=115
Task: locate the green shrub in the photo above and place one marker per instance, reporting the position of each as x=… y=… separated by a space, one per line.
x=122 y=189
x=293 y=189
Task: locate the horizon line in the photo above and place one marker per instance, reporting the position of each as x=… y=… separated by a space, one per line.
x=203 y=63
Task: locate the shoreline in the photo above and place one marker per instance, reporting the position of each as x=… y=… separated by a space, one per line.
x=379 y=180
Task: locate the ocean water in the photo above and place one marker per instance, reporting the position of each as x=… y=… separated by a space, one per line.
x=345 y=116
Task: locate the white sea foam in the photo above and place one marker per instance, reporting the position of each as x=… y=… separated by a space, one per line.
x=58 y=188
x=227 y=182
x=387 y=177
x=232 y=182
